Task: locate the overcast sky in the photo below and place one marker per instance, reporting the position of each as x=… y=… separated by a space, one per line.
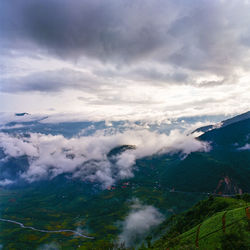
x=125 y=58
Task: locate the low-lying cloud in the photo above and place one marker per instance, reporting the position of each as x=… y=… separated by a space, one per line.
x=86 y=157
x=139 y=222
x=245 y=147
x=50 y=246
x=5 y=182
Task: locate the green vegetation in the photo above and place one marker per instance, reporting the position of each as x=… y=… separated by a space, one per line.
x=67 y=204
x=215 y=223
x=171 y=183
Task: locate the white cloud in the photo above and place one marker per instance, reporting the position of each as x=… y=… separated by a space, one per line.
x=86 y=157
x=11 y=117
x=5 y=182
x=16 y=146
x=246 y=147
x=139 y=222
x=50 y=246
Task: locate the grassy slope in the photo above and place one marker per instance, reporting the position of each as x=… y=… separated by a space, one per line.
x=208 y=214
x=207 y=239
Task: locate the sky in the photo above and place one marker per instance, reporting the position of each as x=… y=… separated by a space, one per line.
x=125 y=59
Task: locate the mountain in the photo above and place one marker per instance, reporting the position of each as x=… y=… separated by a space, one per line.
x=21 y=114
x=119 y=150
x=224 y=123
x=224 y=169
x=215 y=223
x=171 y=183
x=233 y=134
x=235 y=119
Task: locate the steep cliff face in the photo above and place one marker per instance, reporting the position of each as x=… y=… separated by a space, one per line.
x=226 y=186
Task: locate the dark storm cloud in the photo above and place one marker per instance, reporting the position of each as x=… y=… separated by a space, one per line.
x=197 y=42
x=199 y=35
x=145 y=74
x=71 y=28
x=152 y=74
x=49 y=81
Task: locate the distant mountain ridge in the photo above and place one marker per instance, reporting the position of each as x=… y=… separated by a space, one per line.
x=224 y=123
x=224 y=169
x=21 y=114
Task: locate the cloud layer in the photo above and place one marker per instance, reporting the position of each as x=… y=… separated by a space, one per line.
x=246 y=147
x=86 y=157
x=139 y=222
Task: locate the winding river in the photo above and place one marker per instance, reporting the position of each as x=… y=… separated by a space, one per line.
x=47 y=231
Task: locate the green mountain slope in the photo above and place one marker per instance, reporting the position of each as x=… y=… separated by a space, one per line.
x=236 y=133
x=215 y=223
x=170 y=182
x=224 y=169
